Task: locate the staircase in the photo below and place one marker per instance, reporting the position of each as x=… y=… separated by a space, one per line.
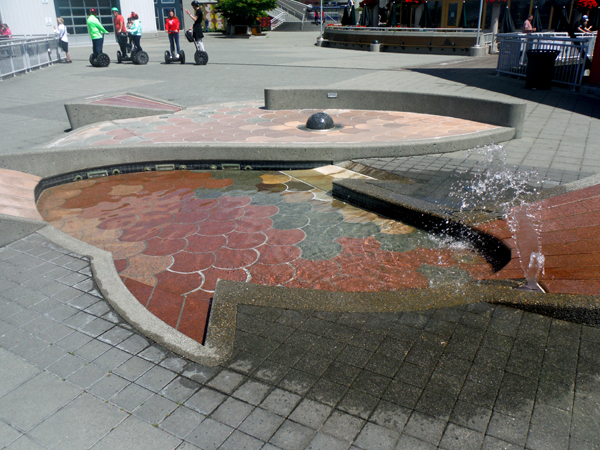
x=290 y=15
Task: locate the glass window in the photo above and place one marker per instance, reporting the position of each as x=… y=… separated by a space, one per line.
x=472 y=12
x=544 y=8
x=519 y=10
x=435 y=12
x=452 y=20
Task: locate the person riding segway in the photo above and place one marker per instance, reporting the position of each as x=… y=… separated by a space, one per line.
x=97 y=32
x=120 y=33
x=195 y=34
x=137 y=56
x=172 y=28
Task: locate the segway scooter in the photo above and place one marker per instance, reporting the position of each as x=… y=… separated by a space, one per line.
x=169 y=58
x=136 y=56
x=201 y=57
x=102 y=60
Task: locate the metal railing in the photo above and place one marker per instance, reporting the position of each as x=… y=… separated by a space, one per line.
x=277 y=18
x=23 y=54
x=293 y=8
x=330 y=15
x=570 y=64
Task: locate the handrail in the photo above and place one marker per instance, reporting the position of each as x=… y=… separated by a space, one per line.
x=572 y=54
x=23 y=54
x=293 y=7
x=277 y=20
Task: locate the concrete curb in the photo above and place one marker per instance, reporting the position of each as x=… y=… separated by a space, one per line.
x=56 y=162
x=128 y=307
x=503 y=113
x=230 y=294
x=83 y=112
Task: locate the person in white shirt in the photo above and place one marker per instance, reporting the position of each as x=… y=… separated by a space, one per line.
x=63 y=37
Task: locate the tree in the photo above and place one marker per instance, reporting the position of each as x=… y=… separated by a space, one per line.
x=244 y=12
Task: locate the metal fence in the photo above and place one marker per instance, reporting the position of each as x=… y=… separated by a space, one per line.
x=570 y=64
x=23 y=54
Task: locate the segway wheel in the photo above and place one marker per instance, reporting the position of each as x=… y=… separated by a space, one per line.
x=119 y=57
x=93 y=60
x=201 y=58
x=182 y=57
x=141 y=57
x=103 y=60
x=167 y=57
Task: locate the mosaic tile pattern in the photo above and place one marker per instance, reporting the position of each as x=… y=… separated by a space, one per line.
x=248 y=122
x=173 y=234
x=17 y=197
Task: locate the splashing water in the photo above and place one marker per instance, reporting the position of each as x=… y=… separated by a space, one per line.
x=525 y=226
x=493 y=185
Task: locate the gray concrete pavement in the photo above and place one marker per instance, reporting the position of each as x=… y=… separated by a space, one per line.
x=75 y=376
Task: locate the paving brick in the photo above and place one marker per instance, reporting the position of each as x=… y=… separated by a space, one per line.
x=205 y=401
x=181 y=421
x=281 y=402
x=127 y=435
x=292 y=436
x=261 y=424
x=155 y=409
x=210 y=434
x=343 y=426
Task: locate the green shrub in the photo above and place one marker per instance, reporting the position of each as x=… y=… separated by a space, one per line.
x=244 y=12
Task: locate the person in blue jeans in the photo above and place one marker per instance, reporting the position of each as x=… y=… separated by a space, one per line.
x=172 y=28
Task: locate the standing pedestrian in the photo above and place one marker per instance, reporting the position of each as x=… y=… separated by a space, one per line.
x=63 y=37
x=120 y=30
x=197 y=27
x=528 y=25
x=172 y=28
x=6 y=33
x=97 y=31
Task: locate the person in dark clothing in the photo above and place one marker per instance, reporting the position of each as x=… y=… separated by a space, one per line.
x=197 y=17
x=580 y=26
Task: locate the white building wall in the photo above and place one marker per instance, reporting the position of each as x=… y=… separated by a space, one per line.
x=29 y=16
x=144 y=9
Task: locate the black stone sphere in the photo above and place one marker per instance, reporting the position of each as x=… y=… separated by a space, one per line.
x=320 y=121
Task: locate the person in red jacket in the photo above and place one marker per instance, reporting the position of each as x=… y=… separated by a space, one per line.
x=120 y=30
x=172 y=27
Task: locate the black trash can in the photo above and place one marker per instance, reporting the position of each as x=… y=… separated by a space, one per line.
x=540 y=68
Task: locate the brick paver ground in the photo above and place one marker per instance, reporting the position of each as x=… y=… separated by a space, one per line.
x=482 y=376
x=74 y=375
